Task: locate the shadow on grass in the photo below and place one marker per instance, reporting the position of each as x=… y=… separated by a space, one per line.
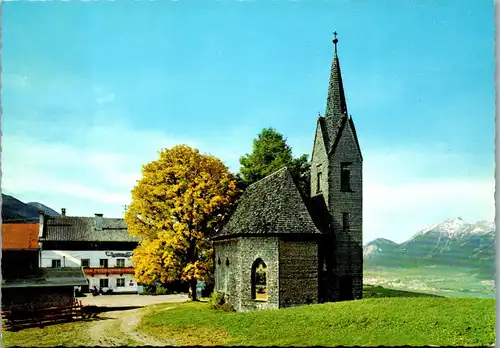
x=41 y=325
x=101 y=309
x=89 y=313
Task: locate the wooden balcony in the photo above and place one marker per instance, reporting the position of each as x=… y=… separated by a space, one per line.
x=92 y=271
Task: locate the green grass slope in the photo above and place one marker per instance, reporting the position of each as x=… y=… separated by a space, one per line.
x=401 y=320
x=65 y=334
x=372 y=291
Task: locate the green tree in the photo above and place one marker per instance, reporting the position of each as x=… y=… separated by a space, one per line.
x=270 y=153
x=182 y=199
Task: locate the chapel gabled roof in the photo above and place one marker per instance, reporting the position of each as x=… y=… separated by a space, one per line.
x=272 y=205
x=83 y=229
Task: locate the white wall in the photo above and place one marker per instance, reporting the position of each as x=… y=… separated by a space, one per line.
x=130 y=282
x=72 y=258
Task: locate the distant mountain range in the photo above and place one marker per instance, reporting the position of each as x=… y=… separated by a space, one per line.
x=453 y=242
x=13 y=210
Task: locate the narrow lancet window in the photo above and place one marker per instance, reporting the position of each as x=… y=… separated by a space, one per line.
x=259 y=280
x=345 y=222
x=345 y=177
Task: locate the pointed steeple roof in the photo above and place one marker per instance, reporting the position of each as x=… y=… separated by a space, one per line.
x=336 y=106
x=336 y=116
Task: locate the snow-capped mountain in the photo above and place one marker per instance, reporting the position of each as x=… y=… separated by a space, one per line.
x=457 y=228
x=453 y=242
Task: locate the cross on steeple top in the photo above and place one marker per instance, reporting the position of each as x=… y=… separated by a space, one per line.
x=335 y=40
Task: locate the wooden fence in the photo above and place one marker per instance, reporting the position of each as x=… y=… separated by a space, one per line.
x=16 y=318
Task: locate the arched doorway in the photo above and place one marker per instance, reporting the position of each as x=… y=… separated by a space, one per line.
x=259 y=280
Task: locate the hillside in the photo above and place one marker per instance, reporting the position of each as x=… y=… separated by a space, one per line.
x=15 y=210
x=453 y=242
x=399 y=321
x=47 y=210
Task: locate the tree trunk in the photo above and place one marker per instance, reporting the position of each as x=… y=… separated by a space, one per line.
x=192 y=289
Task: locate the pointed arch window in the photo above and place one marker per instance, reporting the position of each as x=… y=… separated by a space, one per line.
x=259 y=280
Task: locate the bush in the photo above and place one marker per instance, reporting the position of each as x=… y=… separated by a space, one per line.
x=226 y=307
x=160 y=290
x=149 y=290
x=217 y=301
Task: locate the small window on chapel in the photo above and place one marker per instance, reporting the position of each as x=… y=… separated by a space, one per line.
x=227 y=261
x=345 y=177
x=318 y=183
x=259 y=281
x=345 y=222
x=218 y=261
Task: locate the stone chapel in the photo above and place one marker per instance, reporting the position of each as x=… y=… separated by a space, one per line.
x=280 y=249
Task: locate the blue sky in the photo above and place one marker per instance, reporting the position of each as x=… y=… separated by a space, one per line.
x=92 y=90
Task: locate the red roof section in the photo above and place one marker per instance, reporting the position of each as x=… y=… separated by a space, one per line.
x=20 y=236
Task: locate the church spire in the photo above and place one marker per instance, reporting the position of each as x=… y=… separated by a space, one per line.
x=336 y=105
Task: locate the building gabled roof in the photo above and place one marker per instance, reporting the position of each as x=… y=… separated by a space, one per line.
x=272 y=205
x=49 y=277
x=84 y=229
x=20 y=235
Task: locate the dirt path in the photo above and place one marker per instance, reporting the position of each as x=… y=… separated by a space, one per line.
x=120 y=329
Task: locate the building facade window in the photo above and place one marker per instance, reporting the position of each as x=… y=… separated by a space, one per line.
x=120 y=282
x=56 y=263
x=120 y=262
x=318 y=183
x=104 y=283
x=345 y=177
x=227 y=261
x=345 y=222
x=85 y=262
x=218 y=261
x=103 y=263
x=259 y=280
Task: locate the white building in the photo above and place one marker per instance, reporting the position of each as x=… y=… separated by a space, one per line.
x=102 y=246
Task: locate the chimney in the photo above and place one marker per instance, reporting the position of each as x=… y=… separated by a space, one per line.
x=99 y=222
x=63 y=211
x=41 y=221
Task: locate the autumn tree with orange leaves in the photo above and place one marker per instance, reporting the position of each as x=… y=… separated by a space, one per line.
x=182 y=199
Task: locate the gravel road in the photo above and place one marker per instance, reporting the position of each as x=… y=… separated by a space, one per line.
x=130 y=300
x=119 y=328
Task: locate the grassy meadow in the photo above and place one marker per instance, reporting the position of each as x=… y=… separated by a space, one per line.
x=383 y=317
x=65 y=334
x=405 y=318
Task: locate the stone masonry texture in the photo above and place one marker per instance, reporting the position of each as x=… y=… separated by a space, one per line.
x=310 y=256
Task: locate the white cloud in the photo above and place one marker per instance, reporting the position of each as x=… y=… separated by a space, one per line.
x=407 y=189
x=396 y=211
x=102 y=173
x=401 y=194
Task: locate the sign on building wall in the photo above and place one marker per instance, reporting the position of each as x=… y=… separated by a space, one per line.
x=112 y=254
